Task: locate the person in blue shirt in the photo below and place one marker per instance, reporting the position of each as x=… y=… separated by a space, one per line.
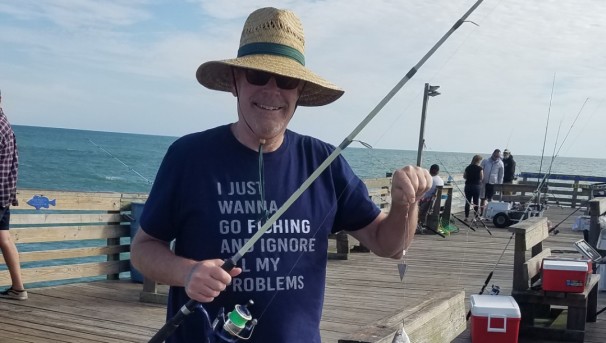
x=216 y=188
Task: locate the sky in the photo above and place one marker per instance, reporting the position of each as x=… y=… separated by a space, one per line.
x=526 y=75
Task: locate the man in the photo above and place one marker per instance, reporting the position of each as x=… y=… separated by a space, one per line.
x=210 y=195
x=425 y=203
x=8 y=196
x=509 y=165
x=493 y=174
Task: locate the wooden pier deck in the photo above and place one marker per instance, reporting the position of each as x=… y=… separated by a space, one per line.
x=359 y=291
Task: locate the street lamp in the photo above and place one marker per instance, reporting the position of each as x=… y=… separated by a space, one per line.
x=429 y=91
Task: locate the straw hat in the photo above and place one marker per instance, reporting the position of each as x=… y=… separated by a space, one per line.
x=273 y=41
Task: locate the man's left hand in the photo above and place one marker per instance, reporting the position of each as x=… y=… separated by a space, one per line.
x=409 y=184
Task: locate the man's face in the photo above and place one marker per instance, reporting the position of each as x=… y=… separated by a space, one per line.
x=266 y=107
x=496 y=155
x=505 y=155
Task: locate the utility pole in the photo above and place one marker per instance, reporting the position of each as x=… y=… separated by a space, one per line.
x=429 y=91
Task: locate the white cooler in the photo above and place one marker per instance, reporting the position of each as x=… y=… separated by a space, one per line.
x=494 y=207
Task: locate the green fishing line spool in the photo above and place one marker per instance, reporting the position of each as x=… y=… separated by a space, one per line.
x=239 y=316
x=237 y=319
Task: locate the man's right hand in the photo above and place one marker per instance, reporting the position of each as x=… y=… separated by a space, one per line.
x=207 y=280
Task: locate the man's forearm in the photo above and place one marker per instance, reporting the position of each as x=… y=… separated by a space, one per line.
x=156 y=261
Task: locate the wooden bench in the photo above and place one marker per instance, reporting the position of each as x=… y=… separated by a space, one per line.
x=441 y=207
x=439 y=319
x=67 y=236
x=539 y=308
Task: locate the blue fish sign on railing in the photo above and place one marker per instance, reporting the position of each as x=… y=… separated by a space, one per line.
x=40 y=201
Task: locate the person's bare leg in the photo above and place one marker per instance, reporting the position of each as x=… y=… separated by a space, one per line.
x=11 y=257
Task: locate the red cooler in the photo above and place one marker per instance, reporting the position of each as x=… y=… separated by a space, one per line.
x=565 y=275
x=494 y=319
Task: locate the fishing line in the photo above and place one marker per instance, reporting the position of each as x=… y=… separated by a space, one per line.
x=438 y=71
x=536 y=193
x=587 y=122
x=547 y=124
x=265 y=214
x=467 y=243
x=231 y=262
x=432 y=77
x=567 y=133
x=490 y=275
x=460 y=192
x=119 y=160
x=402 y=264
x=546 y=178
x=509 y=138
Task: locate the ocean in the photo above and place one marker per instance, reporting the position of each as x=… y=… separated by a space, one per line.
x=81 y=160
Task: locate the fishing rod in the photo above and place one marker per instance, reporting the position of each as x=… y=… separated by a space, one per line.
x=547 y=124
x=476 y=214
x=119 y=160
x=568 y=133
x=228 y=264
x=556 y=154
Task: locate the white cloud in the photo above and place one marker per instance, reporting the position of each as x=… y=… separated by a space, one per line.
x=128 y=66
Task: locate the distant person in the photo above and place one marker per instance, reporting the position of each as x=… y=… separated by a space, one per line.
x=510 y=167
x=215 y=189
x=473 y=176
x=493 y=175
x=8 y=196
x=426 y=200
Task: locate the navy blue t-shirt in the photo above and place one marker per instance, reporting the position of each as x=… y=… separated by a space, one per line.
x=206 y=197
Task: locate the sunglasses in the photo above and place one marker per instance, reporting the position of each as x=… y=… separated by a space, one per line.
x=261 y=78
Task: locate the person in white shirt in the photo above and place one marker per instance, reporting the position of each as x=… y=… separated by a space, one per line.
x=493 y=175
x=426 y=199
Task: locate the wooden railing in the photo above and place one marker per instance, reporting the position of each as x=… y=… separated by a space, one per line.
x=64 y=236
x=565 y=190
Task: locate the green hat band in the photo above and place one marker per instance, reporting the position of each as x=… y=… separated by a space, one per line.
x=271 y=49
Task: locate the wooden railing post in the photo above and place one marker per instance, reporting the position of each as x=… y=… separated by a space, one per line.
x=575 y=193
x=597 y=206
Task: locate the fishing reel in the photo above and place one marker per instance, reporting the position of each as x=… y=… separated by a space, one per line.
x=236 y=325
x=495 y=290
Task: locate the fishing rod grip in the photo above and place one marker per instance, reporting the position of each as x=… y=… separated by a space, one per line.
x=228 y=264
x=481 y=291
x=172 y=324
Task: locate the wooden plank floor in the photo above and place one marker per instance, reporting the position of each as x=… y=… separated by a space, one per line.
x=359 y=291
